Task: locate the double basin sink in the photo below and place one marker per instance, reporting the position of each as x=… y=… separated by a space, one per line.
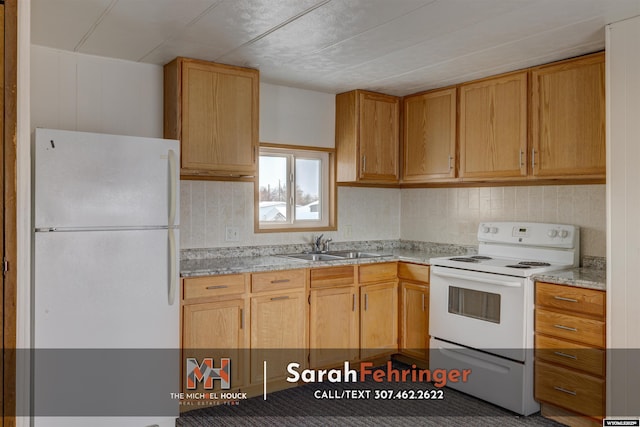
x=332 y=256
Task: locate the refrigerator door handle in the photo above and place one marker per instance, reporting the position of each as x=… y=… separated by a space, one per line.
x=172 y=187
x=172 y=266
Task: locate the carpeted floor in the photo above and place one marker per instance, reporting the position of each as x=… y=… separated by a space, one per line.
x=298 y=407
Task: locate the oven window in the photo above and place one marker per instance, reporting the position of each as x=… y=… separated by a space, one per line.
x=474 y=304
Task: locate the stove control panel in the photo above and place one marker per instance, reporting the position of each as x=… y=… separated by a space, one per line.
x=530 y=234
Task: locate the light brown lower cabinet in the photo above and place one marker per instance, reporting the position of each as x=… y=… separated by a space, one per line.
x=277 y=333
x=378 y=319
x=414 y=310
x=333 y=326
x=414 y=321
x=569 y=379
x=216 y=328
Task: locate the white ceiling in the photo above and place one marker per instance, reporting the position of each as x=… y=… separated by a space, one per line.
x=392 y=46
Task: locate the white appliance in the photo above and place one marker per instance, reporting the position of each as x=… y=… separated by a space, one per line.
x=105 y=313
x=481 y=308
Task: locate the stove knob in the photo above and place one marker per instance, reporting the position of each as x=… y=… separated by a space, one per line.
x=552 y=233
x=494 y=230
x=564 y=233
x=485 y=229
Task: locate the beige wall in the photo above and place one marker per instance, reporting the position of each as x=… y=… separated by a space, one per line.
x=208 y=207
x=452 y=215
x=89 y=93
x=444 y=215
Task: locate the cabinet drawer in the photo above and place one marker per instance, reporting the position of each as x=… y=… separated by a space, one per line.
x=213 y=286
x=332 y=276
x=587 y=301
x=573 y=328
x=416 y=272
x=276 y=280
x=578 y=392
x=576 y=356
x=378 y=272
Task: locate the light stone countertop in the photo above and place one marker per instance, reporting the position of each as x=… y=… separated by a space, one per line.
x=590 y=278
x=250 y=264
x=211 y=262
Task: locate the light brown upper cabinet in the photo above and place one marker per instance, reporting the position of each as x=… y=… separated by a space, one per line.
x=213 y=110
x=367 y=137
x=429 y=142
x=568 y=118
x=493 y=128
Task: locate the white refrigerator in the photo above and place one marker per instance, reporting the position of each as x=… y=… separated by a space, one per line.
x=105 y=280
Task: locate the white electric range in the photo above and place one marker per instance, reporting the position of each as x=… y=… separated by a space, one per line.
x=481 y=308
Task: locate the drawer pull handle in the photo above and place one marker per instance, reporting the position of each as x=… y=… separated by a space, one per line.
x=564 y=390
x=566 y=328
x=217 y=287
x=280 y=281
x=354 y=302
x=569 y=356
x=565 y=299
x=280 y=298
x=241 y=318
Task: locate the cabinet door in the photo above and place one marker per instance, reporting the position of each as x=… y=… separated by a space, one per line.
x=493 y=127
x=429 y=143
x=333 y=326
x=216 y=330
x=219 y=118
x=378 y=319
x=568 y=118
x=414 y=322
x=379 y=136
x=278 y=324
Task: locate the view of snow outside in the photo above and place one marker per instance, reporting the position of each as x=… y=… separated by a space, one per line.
x=273 y=189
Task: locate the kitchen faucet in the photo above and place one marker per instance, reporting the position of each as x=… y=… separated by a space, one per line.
x=317 y=243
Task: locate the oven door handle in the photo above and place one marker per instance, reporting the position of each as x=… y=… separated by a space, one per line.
x=438 y=272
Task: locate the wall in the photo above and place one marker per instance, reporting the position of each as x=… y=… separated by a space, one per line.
x=296 y=116
x=623 y=205
x=207 y=207
x=93 y=94
x=452 y=215
x=89 y=93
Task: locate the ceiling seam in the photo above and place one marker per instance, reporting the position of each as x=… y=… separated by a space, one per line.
x=189 y=24
x=88 y=34
x=368 y=29
x=276 y=28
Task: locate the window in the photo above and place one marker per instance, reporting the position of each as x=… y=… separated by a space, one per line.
x=296 y=189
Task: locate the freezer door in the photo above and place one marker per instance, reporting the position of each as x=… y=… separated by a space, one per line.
x=96 y=180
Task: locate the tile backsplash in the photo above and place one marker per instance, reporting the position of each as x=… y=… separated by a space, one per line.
x=208 y=207
x=440 y=215
x=452 y=215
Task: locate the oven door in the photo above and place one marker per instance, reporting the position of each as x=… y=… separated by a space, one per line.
x=484 y=311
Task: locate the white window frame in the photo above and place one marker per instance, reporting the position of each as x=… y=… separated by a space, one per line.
x=327 y=189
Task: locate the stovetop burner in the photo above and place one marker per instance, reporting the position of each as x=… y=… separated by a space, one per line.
x=482 y=257
x=522 y=266
x=534 y=263
x=464 y=259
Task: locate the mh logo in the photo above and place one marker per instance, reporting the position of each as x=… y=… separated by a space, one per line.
x=207 y=373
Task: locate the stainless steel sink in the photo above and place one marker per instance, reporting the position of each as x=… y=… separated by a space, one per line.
x=332 y=256
x=314 y=257
x=354 y=254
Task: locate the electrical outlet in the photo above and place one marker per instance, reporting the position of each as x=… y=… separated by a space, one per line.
x=346 y=232
x=232 y=234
